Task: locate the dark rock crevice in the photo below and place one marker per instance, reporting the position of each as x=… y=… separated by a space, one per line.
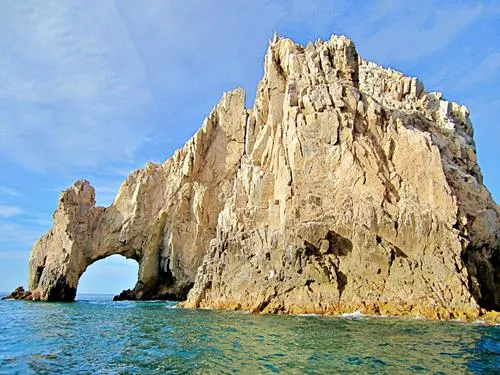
x=483 y=267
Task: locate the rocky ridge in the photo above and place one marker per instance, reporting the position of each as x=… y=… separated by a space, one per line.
x=345 y=187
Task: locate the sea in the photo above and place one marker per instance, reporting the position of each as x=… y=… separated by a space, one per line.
x=95 y=335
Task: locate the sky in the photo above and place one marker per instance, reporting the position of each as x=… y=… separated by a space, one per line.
x=96 y=89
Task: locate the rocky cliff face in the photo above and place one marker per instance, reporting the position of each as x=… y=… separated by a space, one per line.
x=163 y=216
x=345 y=187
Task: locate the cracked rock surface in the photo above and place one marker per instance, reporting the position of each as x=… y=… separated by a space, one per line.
x=345 y=187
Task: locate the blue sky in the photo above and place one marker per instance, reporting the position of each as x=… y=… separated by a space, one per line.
x=95 y=89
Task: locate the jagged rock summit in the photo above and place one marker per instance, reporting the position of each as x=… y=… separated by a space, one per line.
x=345 y=187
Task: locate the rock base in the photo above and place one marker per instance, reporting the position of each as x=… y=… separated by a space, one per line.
x=20 y=294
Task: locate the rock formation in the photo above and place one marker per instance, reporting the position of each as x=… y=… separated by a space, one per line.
x=19 y=293
x=345 y=187
x=163 y=216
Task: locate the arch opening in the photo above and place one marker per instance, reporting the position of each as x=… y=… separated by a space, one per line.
x=108 y=277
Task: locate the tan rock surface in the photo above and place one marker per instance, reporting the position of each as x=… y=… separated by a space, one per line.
x=163 y=216
x=345 y=187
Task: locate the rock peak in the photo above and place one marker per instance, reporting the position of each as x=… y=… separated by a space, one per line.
x=333 y=60
x=80 y=193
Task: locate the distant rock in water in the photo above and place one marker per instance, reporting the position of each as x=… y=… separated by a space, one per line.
x=346 y=187
x=19 y=293
x=126 y=295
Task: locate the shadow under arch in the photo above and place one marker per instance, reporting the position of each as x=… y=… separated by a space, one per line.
x=109 y=276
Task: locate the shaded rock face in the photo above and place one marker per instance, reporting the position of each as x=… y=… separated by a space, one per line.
x=345 y=187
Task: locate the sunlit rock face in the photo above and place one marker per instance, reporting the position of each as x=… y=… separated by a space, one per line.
x=345 y=187
x=163 y=216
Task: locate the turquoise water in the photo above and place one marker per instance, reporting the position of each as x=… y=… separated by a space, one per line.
x=96 y=335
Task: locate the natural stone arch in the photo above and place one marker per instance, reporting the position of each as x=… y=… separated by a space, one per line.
x=164 y=216
x=89 y=234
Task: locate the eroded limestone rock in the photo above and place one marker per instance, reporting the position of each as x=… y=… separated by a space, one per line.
x=345 y=187
x=360 y=192
x=163 y=216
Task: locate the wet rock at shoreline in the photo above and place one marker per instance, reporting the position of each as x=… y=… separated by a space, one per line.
x=19 y=293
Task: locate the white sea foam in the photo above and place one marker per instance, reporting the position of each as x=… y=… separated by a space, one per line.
x=353 y=315
x=308 y=314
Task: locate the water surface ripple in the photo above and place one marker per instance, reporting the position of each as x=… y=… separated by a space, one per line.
x=96 y=335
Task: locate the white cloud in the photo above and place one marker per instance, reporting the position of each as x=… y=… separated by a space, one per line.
x=13 y=255
x=317 y=16
x=9 y=191
x=9 y=211
x=16 y=235
x=486 y=107
x=408 y=30
x=485 y=71
x=105 y=194
x=73 y=86
x=42 y=221
x=82 y=84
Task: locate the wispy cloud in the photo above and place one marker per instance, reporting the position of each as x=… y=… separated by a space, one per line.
x=13 y=255
x=9 y=191
x=17 y=236
x=406 y=30
x=36 y=220
x=82 y=83
x=73 y=86
x=317 y=16
x=105 y=194
x=484 y=72
x=9 y=211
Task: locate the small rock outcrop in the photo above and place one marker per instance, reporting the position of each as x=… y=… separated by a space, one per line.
x=19 y=293
x=345 y=187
